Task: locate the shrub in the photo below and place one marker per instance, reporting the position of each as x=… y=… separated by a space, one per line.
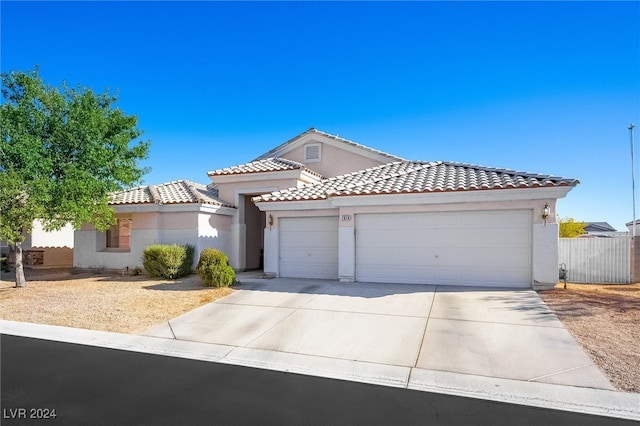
x=168 y=261
x=213 y=267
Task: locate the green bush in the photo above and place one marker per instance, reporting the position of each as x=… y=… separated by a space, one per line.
x=168 y=261
x=213 y=267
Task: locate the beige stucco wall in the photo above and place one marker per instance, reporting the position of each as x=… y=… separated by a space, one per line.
x=535 y=205
x=178 y=220
x=196 y=228
x=334 y=161
x=209 y=223
x=214 y=231
x=149 y=220
x=229 y=191
x=300 y=213
x=161 y=220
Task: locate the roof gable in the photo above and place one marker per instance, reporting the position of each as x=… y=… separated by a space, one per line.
x=313 y=135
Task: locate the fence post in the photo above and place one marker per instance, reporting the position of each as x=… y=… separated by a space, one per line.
x=635 y=259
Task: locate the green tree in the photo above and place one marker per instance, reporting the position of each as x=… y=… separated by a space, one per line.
x=62 y=151
x=569 y=228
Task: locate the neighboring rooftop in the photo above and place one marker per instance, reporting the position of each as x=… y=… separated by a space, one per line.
x=175 y=192
x=264 y=165
x=599 y=227
x=417 y=177
x=336 y=138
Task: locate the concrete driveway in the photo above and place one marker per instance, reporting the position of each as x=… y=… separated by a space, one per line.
x=387 y=333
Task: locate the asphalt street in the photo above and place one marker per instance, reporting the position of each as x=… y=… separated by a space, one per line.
x=47 y=383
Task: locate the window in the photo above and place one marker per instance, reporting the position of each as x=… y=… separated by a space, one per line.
x=119 y=235
x=312 y=153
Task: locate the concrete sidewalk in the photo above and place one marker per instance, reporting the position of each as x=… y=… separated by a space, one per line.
x=502 y=345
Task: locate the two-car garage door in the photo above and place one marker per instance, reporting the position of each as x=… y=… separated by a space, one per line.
x=491 y=248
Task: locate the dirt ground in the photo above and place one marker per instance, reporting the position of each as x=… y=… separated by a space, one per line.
x=605 y=320
x=108 y=302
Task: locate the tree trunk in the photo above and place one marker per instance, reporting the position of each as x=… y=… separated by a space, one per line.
x=20 y=280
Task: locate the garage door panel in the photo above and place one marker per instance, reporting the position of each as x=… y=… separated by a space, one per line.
x=439 y=274
x=309 y=247
x=448 y=276
x=514 y=237
x=418 y=237
x=442 y=255
x=310 y=255
x=460 y=220
x=305 y=237
x=466 y=248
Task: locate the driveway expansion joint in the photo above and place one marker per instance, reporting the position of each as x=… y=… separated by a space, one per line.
x=424 y=333
x=560 y=372
x=171 y=329
x=518 y=324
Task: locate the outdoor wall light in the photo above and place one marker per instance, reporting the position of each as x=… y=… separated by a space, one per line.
x=270 y=221
x=546 y=211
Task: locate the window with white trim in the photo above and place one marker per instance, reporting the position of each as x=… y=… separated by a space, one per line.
x=312 y=153
x=118 y=236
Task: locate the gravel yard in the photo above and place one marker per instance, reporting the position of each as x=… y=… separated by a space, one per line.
x=108 y=302
x=604 y=319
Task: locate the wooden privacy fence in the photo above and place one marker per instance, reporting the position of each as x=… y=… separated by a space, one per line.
x=597 y=260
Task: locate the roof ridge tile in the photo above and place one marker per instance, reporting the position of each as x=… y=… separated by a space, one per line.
x=155 y=195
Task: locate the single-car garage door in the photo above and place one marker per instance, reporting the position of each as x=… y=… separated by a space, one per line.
x=309 y=247
x=487 y=248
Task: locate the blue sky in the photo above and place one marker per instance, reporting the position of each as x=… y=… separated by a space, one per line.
x=547 y=87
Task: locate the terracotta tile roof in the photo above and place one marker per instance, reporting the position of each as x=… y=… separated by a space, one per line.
x=335 y=138
x=261 y=166
x=417 y=177
x=176 y=192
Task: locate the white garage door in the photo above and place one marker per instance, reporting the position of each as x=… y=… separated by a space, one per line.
x=309 y=247
x=488 y=248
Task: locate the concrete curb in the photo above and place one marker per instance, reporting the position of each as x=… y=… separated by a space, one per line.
x=566 y=398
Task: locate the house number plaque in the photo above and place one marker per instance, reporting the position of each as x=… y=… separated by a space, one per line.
x=346 y=217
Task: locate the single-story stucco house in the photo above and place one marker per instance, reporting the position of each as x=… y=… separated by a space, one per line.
x=320 y=206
